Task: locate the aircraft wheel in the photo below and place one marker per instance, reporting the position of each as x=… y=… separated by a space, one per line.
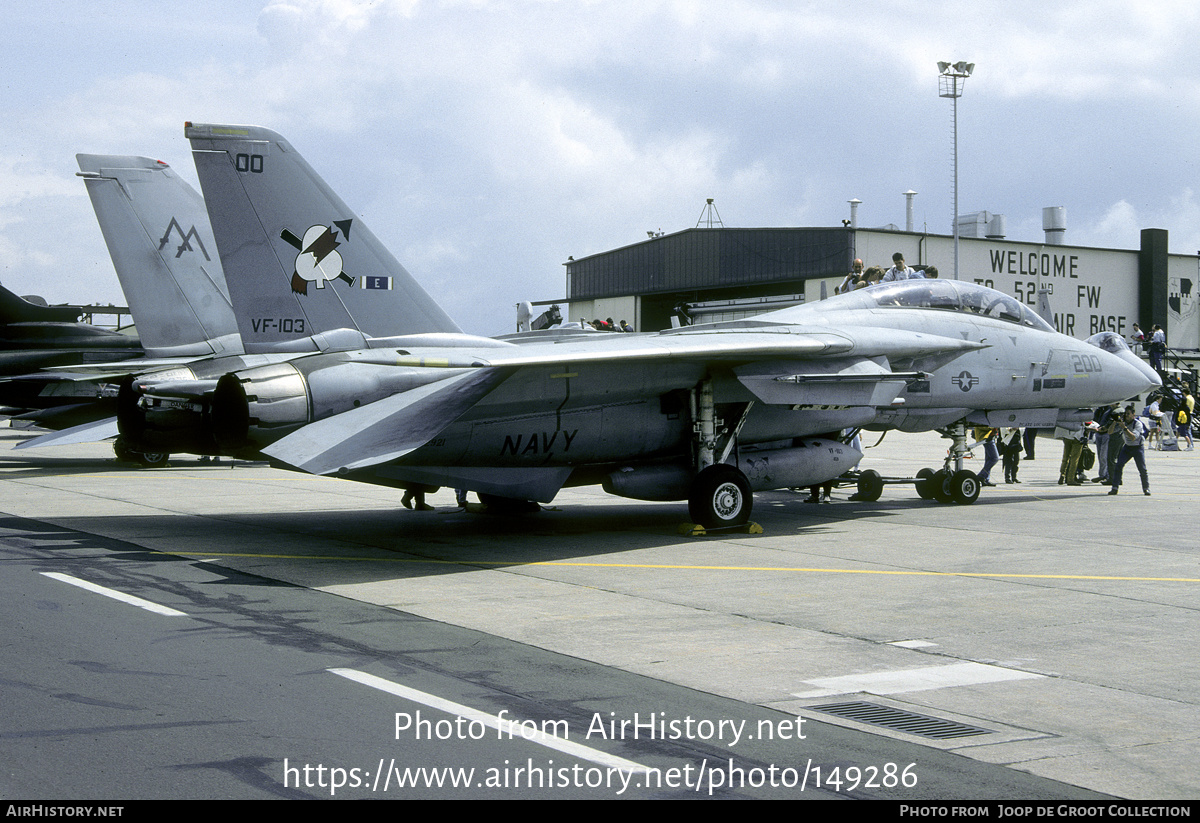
x=924 y=484
x=964 y=486
x=123 y=453
x=151 y=459
x=720 y=496
x=942 y=491
x=870 y=486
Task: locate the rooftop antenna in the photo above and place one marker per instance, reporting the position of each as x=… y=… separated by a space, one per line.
x=710 y=216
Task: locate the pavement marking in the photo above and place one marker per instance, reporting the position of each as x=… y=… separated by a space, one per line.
x=115 y=595
x=510 y=727
x=914 y=680
x=679 y=567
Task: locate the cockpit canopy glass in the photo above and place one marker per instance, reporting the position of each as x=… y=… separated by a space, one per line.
x=948 y=295
x=1110 y=341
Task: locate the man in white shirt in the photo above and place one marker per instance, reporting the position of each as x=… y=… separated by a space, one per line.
x=900 y=271
x=852 y=279
x=1158 y=347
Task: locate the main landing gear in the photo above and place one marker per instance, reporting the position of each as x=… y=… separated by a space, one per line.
x=147 y=459
x=720 y=495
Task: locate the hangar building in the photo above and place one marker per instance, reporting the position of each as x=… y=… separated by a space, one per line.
x=724 y=273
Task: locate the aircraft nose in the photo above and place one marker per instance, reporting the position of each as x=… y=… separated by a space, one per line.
x=1131 y=375
x=1136 y=376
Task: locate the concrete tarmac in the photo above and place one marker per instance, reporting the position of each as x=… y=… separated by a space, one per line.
x=1059 y=621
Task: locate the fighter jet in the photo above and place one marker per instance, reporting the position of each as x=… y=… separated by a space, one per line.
x=157 y=234
x=708 y=413
x=34 y=335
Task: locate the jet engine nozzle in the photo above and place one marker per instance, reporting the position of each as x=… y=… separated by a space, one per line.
x=151 y=420
x=253 y=408
x=131 y=419
x=258 y=406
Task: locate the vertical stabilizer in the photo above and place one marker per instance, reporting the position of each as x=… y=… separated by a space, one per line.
x=1043 y=305
x=297 y=260
x=157 y=232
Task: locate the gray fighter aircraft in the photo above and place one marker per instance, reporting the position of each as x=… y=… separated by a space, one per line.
x=156 y=229
x=34 y=336
x=157 y=233
x=708 y=413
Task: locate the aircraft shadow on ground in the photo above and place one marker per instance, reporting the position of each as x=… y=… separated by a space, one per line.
x=334 y=547
x=338 y=546
x=32 y=464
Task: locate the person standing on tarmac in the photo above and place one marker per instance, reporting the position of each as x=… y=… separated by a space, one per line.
x=1133 y=431
x=1068 y=469
x=1108 y=442
x=991 y=455
x=1183 y=418
x=1010 y=453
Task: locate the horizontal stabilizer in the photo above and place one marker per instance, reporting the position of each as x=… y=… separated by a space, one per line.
x=87 y=433
x=386 y=429
x=100 y=372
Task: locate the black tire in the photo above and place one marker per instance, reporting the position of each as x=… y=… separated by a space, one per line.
x=965 y=486
x=152 y=459
x=123 y=453
x=870 y=486
x=924 y=484
x=942 y=491
x=720 y=497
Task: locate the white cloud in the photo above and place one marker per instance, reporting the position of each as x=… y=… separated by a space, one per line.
x=1120 y=225
x=499 y=136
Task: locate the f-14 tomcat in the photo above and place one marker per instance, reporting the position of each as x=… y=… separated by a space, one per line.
x=707 y=413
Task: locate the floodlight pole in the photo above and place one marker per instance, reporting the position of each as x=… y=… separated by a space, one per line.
x=950 y=82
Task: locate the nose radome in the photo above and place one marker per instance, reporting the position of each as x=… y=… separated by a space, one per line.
x=1132 y=375
x=1137 y=377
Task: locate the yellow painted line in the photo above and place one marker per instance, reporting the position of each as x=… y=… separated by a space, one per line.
x=671 y=567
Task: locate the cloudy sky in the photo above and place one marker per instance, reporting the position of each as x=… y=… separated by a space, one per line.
x=485 y=141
